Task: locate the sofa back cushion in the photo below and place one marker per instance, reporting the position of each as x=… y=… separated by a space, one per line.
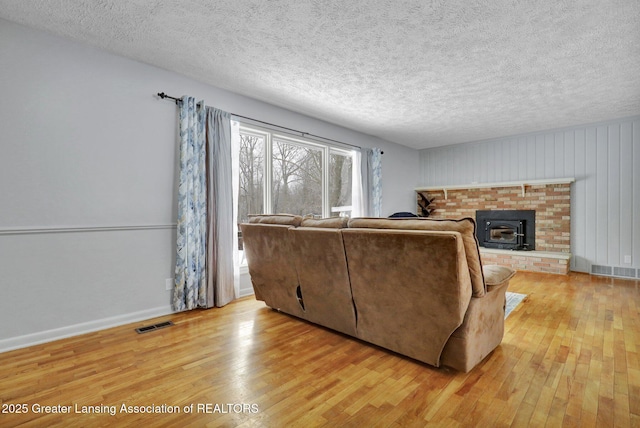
x=269 y=255
x=323 y=276
x=284 y=219
x=411 y=288
x=466 y=227
x=327 y=223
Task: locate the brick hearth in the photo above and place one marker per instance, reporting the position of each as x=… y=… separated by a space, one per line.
x=536 y=261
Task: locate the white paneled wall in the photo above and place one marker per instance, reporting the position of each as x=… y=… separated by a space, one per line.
x=604 y=159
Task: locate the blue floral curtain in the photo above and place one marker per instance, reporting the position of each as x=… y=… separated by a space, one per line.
x=206 y=274
x=190 y=274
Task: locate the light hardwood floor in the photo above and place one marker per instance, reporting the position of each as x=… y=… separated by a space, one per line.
x=570 y=357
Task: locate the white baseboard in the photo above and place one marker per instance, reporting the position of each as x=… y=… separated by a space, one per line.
x=82 y=328
x=244 y=292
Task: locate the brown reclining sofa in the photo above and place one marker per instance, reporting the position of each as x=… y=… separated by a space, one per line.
x=414 y=286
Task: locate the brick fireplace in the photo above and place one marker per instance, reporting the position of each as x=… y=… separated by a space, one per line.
x=550 y=201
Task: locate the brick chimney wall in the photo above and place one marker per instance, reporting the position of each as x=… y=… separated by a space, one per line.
x=551 y=203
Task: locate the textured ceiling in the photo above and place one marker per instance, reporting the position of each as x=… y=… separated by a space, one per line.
x=419 y=73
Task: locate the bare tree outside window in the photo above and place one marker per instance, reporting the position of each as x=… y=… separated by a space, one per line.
x=251 y=191
x=297 y=179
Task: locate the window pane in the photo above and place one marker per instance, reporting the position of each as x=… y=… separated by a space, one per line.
x=297 y=179
x=340 y=181
x=250 y=195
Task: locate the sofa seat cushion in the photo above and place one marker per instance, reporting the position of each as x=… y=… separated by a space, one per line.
x=465 y=226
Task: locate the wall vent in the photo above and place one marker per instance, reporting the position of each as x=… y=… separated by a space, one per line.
x=624 y=272
x=153 y=327
x=601 y=270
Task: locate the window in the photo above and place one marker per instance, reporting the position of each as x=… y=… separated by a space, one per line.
x=280 y=173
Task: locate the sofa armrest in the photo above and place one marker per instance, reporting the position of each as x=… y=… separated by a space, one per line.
x=495 y=275
x=480 y=333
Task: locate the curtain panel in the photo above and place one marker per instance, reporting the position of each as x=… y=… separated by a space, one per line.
x=221 y=278
x=371 y=173
x=205 y=274
x=358 y=201
x=191 y=243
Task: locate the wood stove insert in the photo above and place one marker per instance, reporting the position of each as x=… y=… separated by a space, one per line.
x=506 y=229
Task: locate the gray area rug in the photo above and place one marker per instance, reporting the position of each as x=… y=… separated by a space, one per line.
x=513 y=300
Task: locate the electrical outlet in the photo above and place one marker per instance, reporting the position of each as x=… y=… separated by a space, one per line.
x=627 y=259
x=168 y=283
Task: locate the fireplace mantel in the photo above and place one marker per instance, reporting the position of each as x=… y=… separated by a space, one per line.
x=521 y=184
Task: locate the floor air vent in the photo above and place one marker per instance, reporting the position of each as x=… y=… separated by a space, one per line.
x=601 y=270
x=621 y=272
x=153 y=327
x=624 y=272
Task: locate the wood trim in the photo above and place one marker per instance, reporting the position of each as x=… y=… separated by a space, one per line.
x=81 y=328
x=81 y=229
x=521 y=184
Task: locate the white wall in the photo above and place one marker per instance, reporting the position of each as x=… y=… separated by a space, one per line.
x=87 y=171
x=604 y=158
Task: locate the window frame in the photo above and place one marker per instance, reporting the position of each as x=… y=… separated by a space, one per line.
x=270 y=136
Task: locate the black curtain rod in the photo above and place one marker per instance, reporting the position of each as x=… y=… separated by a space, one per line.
x=178 y=101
